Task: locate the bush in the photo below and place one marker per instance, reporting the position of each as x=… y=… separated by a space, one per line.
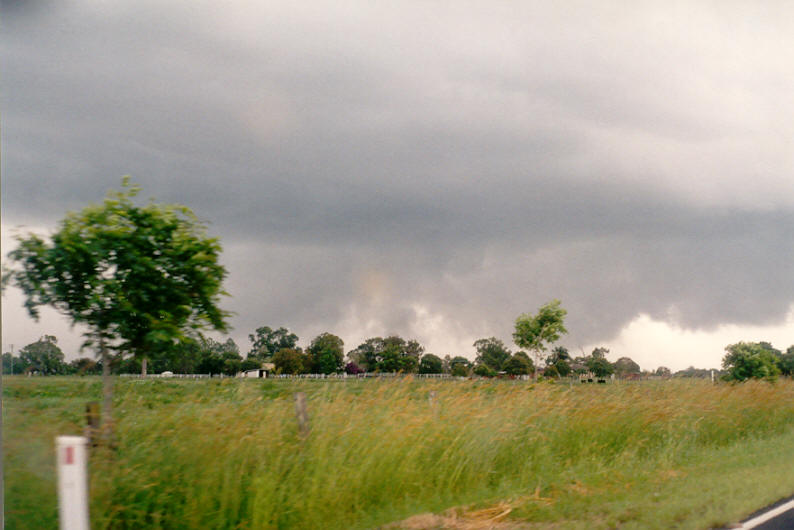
x=483 y=370
x=749 y=360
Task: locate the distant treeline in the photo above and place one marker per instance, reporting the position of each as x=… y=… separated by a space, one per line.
x=278 y=350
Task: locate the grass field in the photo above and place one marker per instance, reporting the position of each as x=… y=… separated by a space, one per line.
x=227 y=454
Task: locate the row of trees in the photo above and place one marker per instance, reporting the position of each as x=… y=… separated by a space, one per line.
x=144 y=280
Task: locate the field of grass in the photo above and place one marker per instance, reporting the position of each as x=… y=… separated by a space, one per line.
x=228 y=454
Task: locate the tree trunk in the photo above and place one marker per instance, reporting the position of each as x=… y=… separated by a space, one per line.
x=107 y=394
x=143 y=366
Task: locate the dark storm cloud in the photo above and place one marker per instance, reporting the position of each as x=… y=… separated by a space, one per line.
x=359 y=163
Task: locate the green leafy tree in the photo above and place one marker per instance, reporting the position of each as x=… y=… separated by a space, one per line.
x=365 y=356
x=414 y=350
x=459 y=366
x=600 y=353
x=139 y=278
x=392 y=356
x=563 y=368
x=519 y=364
x=599 y=366
x=786 y=362
x=482 y=370
x=663 y=371
x=558 y=353
x=265 y=342
x=560 y=359
x=43 y=356
x=327 y=354
x=536 y=332
x=291 y=361
x=750 y=360
x=12 y=364
x=431 y=364
x=491 y=352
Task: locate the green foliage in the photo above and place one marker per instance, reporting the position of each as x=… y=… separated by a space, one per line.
x=519 y=364
x=559 y=359
x=750 y=360
x=786 y=362
x=483 y=370
x=143 y=275
x=265 y=342
x=390 y=354
x=291 y=361
x=431 y=364
x=536 y=332
x=43 y=356
x=563 y=368
x=327 y=354
x=663 y=371
x=492 y=352
x=600 y=366
x=218 y=357
x=85 y=366
x=13 y=364
x=459 y=366
x=249 y=364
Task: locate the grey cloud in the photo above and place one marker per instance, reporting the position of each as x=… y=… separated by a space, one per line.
x=477 y=164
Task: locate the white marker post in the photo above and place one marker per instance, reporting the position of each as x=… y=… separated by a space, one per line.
x=72 y=482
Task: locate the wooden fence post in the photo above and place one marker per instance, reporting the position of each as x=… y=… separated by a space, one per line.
x=302 y=414
x=92 y=420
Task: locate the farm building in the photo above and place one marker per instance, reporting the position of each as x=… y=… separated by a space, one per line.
x=258 y=373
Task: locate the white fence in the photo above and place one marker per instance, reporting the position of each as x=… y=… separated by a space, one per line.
x=367 y=375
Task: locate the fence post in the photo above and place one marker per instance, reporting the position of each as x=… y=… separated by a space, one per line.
x=92 y=423
x=302 y=414
x=70 y=452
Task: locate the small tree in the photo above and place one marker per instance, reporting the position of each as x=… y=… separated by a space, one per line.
x=519 y=364
x=459 y=366
x=492 y=352
x=536 y=332
x=482 y=370
x=599 y=366
x=327 y=354
x=139 y=278
x=431 y=364
x=560 y=359
x=291 y=361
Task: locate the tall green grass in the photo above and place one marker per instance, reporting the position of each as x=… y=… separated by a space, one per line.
x=228 y=454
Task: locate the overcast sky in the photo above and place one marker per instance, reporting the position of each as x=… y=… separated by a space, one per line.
x=431 y=169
